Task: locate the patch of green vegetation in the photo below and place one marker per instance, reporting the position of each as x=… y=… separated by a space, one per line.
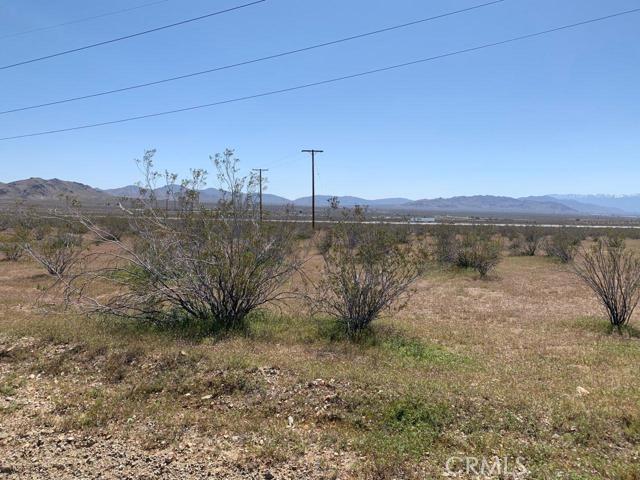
x=96 y=414
x=415 y=350
x=289 y=330
x=628 y=471
x=268 y=327
x=406 y=427
x=602 y=326
x=10 y=384
x=631 y=428
x=624 y=349
x=7 y=389
x=592 y=324
x=11 y=408
x=416 y=415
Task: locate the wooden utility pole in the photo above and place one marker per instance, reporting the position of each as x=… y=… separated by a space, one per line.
x=313 y=184
x=260 y=170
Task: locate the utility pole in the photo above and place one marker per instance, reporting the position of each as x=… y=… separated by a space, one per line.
x=260 y=170
x=313 y=184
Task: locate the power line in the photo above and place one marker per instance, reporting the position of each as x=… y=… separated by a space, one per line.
x=324 y=82
x=133 y=35
x=84 y=19
x=248 y=62
x=284 y=161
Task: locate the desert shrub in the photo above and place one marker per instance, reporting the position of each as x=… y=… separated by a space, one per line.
x=11 y=250
x=563 y=245
x=114 y=226
x=400 y=233
x=56 y=252
x=364 y=277
x=212 y=266
x=446 y=246
x=75 y=228
x=478 y=252
x=41 y=231
x=612 y=271
x=303 y=232
x=526 y=243
x=11 y=244
x=325 y=241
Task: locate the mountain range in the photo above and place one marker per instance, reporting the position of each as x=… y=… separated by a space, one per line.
x=39 y=190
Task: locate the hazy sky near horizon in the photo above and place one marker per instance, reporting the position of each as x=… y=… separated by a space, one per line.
x=553 y=114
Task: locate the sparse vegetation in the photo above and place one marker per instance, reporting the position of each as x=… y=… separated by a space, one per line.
x=11 y=250
x=528 y=242
x=363 y=275
x=57 y=253
x=269 y=391
x=613 y=273
x=475 y=250
x=213 y=266
x=446 y=246
x=563 y=245
x=480 y=253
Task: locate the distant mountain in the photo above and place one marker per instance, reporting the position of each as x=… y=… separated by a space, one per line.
x=271 y=199
x=130 y=191
x=492 y=204
x=629 y=204
x=348 y=201
x=582 y=207
x=207 y=195
x=210 y=195
x=54 y=189
x=37 y=189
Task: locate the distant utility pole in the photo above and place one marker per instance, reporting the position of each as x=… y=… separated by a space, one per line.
x=260 y=170
x=313 y=184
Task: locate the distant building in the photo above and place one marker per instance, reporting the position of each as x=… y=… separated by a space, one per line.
x=422 y=220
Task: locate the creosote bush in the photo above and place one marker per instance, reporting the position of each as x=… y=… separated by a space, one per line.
x=116 y=226
x=12 y=243
x=527 y=242
x=365 y=272
x=446 y=246
x=481 y=254
x=612 y=271
x=187 y=262
x=56 y=252
x=11 y=249
x=563 y=245
x=475 y=250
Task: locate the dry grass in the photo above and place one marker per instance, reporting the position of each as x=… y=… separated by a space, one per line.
x=522 y=365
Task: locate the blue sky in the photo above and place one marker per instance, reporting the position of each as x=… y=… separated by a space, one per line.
x=555 y=114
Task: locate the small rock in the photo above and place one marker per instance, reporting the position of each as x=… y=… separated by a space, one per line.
x=206 y=397
x=582 y=391
x=290 y=421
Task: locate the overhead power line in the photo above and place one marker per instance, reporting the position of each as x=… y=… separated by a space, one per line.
x=325 y=82
x=133 y=35
x=82 y=20
x=248 y=62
